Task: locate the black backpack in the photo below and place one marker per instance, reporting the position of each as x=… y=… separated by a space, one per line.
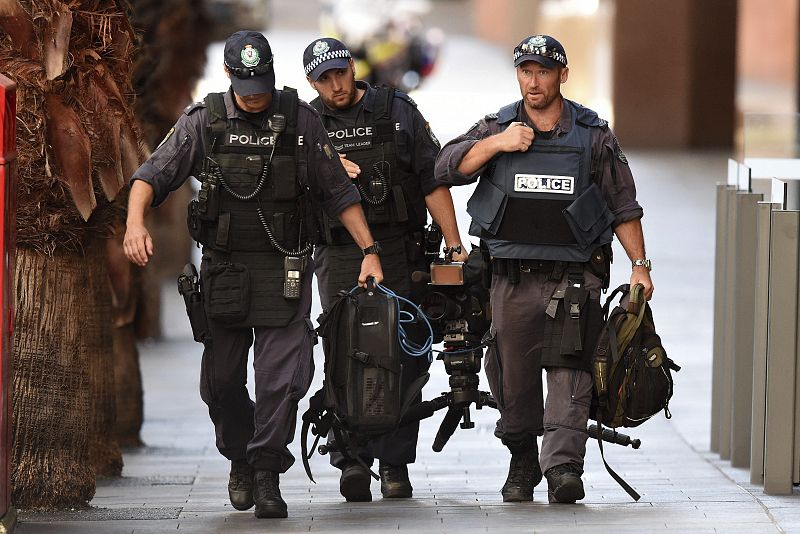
x=632 y=372
x=361 y=395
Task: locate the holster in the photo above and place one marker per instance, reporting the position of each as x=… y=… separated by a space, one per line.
x=189 y=288
x=600 y=264
x=566 y=319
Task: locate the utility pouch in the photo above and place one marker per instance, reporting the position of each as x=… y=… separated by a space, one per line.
x=284 y=178
x=574 y=331
x=600 y=264
x=193 y=221
x=588 y=217
x=565 y=325
x=228 y=288
x=208 y=199
x=400 y=207
x=189 y=288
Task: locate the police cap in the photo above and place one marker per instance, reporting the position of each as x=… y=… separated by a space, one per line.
x=542 y=49
x=325 y=54
x=248 y=58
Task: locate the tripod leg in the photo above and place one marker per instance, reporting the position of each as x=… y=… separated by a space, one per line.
x=446 y=429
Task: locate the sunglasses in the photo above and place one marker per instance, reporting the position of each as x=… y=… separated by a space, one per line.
x=247 y=72
x=527 y=48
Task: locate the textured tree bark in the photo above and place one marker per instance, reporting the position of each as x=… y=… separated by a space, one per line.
x=52 y=398
x=104 y=453
x=78 y=144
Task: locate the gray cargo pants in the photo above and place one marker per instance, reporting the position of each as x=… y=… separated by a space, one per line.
x=284 y=367
x=514 y=370
x=399 y=447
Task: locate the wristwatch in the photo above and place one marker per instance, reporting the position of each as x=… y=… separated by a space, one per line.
x=647 y=264
x=374 y=248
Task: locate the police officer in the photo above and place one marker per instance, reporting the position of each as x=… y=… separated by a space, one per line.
x=553 y=185
x=389 y=152
x=266 y=165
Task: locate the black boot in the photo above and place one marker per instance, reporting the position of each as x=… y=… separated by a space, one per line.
x=564 y=484
x=240 y=485
x=354 y=483
x=267 y=495
x=394 y=482
x=523 y=475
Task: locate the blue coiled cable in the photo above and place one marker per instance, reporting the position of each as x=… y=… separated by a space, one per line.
x=404 y=316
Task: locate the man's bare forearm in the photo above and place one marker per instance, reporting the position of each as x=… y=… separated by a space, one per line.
x=631 y=238
x=479 y=155
x=139 y=201
x=440 y=204
x=353 y=219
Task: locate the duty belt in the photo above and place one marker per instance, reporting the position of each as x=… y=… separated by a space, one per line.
x=511 y=267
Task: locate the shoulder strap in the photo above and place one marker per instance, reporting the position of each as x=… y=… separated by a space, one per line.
x=627 y=487
x=287 y=106
x=383 y=127
x=217 y=117
x=384 y=98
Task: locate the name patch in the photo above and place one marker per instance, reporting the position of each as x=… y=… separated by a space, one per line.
x=544 y=183
x=357 y=138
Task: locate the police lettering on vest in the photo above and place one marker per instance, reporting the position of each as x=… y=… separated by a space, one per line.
x=544 y=183
x=356 y=138
x=251 y=140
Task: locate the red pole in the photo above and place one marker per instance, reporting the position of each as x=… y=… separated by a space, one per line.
x=8 y=195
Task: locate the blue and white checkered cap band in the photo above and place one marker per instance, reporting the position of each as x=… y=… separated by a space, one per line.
x=319 y=60
x=526 y=49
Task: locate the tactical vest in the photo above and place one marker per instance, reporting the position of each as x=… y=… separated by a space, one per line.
x=250 y=213
x=391 y=197
x=542 y=203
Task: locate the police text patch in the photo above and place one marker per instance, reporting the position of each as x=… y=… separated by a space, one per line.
x=544 y=183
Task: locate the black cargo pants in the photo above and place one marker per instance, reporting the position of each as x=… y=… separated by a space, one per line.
x=337 y=268
x=284 y=367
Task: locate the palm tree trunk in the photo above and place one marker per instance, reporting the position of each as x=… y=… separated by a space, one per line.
x=50 y=465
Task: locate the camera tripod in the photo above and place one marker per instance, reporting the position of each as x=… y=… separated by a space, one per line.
x=462 y=356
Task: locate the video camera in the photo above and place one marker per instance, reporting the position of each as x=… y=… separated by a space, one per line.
x=456 y=301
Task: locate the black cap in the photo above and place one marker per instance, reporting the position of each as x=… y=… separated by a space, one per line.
x=542 y=49
x=325 y=54
x=248 y=58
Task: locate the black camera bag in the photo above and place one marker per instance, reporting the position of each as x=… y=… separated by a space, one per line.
x=361 y=395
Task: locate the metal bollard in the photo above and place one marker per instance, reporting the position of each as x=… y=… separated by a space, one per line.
x=743 y=299
x=781 y=444
x=760 y=326
x=722 y=230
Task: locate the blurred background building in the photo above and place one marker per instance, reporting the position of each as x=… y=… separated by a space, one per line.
x=668 y=74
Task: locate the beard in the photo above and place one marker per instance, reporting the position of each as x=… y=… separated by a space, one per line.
x=542 y=103
x=343 y=100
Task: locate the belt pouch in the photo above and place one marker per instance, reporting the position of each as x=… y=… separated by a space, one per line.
x=228 y=289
